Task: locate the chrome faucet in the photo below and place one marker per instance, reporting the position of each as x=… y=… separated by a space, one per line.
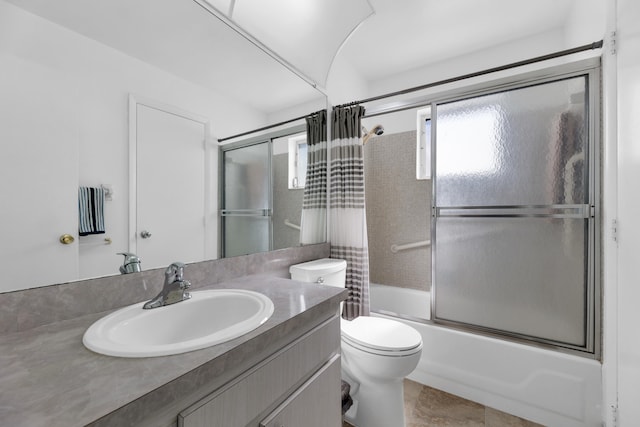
x=174 y=289
x=131 y=263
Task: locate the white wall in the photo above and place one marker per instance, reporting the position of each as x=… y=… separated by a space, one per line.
x=628 y=112
x=344 y=83
x=400 y=121
x=102 y=78
x=609 y=215
x=500 y=55
x=586 y=23
x=298 y=111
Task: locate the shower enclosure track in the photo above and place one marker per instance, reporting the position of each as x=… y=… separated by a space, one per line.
x=558 y=54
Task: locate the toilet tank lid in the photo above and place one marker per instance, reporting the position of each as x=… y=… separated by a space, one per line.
x=320 y=266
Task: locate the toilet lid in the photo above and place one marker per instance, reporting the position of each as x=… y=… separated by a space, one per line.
x=380 y=334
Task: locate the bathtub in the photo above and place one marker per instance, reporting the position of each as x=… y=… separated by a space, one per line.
x=410 y=303
x=545 y=386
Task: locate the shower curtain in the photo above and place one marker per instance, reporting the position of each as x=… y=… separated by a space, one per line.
x=348 y=224
x=314 y=202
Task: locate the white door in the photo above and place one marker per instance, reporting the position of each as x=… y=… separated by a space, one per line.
x=171 y=190
x=38 y=128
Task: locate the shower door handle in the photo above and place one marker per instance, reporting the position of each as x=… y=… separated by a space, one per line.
x=582 y=211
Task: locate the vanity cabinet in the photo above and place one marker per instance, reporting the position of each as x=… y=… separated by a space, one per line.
x=310 y=405
x=299 y=385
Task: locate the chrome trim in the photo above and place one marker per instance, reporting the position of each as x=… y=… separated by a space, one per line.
x=434 y=171
x=594 y=289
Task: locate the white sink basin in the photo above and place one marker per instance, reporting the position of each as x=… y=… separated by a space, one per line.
x=208 y=318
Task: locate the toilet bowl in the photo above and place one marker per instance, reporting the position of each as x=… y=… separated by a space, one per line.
x=376 y=354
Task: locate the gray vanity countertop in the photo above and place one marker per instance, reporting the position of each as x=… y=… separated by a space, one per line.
x=48 y=378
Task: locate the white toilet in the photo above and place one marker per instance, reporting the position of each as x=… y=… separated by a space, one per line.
x=377 y=354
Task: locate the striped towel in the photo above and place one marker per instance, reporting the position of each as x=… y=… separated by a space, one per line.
x=91 y=210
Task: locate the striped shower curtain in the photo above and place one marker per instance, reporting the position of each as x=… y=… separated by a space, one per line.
x=314 y=203
x=348 y=223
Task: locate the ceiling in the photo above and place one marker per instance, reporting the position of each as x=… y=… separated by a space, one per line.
x=181 y=37
x=408 y=34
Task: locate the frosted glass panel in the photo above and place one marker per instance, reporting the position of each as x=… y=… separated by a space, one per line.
x=245 y=235
x=519 y=147
x=246 y=177
x=518 y=275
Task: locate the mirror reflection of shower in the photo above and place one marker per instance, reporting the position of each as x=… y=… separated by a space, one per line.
x=376 y=130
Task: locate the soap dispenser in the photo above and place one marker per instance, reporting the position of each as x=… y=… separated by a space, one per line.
x=131 y=263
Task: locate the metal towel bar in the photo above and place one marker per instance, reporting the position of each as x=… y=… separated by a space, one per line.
x=105 y=241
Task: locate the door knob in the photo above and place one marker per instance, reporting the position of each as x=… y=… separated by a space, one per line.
x=145 y=234
x=66 y=239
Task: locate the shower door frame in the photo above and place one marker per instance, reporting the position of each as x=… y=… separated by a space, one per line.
x=266 y=212
x=592 y=69
x=267 y=138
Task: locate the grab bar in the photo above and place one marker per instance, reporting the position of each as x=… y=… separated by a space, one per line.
x=398 y=248
x=290 y=224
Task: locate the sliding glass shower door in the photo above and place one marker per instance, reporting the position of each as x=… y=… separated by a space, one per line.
x=246 y=200
x=514 y=212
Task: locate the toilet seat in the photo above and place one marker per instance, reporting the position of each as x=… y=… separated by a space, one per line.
x=381 y=336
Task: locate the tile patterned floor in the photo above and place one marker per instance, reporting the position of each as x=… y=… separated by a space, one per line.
x=427 y=407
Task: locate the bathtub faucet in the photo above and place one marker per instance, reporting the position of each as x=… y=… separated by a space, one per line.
x=174 y=289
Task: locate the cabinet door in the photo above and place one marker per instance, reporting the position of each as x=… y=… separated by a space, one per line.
x=265 y=385
x=314 y=404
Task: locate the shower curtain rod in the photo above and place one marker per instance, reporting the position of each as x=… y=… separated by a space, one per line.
x=267 y=127
x=583 y=48
x=566 y=52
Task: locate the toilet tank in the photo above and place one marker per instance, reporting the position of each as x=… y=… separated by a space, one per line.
x=328 y=271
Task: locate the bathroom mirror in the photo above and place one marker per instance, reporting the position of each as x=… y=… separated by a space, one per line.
x=69 y=68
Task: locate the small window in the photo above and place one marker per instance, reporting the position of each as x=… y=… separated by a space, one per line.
x=423 y=144
x=297 y=161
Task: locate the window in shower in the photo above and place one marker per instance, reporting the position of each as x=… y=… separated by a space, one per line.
x=423 y=143
x=297 y=161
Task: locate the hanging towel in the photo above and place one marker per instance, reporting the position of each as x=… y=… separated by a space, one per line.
x=91 y=210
